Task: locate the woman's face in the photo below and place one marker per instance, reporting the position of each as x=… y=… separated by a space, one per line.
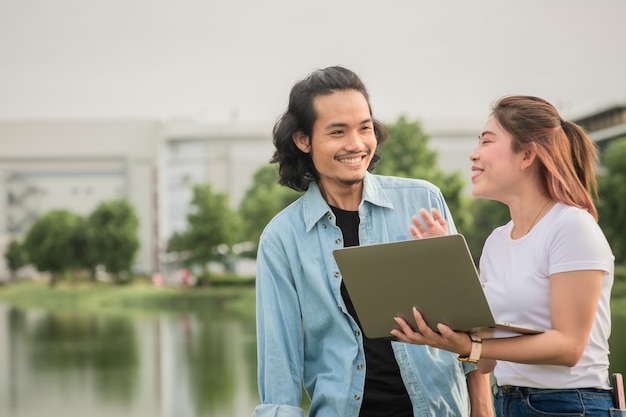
x=496 y=169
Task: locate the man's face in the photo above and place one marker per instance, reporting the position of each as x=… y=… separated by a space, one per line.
x=343 y=140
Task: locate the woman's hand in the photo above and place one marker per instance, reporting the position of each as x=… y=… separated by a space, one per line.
x=433 y=225
x=447 y=339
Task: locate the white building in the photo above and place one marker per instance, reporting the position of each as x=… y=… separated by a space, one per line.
x=46 y=165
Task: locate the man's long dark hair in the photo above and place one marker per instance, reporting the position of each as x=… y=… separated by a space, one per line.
x=295 y=168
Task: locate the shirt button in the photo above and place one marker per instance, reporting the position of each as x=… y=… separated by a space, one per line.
x=338 y=241
x=357 y=333
x=357 y=397
x=323 y=225
x=337 y=274
x=359 y=367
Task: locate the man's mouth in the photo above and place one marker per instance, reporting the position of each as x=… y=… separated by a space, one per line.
x=352 y=160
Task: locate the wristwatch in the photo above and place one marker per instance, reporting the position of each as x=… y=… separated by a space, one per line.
x=477 y=345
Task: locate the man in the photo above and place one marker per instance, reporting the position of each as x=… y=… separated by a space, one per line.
x=307 y=331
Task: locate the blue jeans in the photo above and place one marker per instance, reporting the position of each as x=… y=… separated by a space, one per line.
x=512 y=401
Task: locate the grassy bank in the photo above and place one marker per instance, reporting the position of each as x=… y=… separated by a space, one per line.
x=232 y=295
x=139 y=296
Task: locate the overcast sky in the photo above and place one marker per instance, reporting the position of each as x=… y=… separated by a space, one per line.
x=216 y=59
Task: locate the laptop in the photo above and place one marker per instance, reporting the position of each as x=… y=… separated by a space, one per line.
x=437 y=275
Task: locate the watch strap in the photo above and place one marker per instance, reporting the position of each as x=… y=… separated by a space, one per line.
x=477 y=345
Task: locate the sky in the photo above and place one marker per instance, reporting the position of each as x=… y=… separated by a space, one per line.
x=224 y=60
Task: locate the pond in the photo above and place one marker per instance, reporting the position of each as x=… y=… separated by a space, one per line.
x=162 y=365
x=158 y=365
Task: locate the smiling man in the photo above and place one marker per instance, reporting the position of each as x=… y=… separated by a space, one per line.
x=307 y=331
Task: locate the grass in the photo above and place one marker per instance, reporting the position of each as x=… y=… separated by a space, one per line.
x=227 y=294
x=138 y=296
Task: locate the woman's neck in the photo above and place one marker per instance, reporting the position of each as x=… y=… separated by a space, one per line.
x=527 y=214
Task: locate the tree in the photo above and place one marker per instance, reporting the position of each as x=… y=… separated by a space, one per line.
x=612 y=197
x=83 y=244
x=486 y=215
x=15 y=257
x=112 y=232
x=261 y=202
x=210 y=224
x=48 y=243
x=406 y=154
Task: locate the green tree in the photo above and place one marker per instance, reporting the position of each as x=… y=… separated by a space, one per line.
x=112 y=233
x=486 y=215
x=407 y=154
x=83 y=244
x=15 y=257
x=261 y=202
x=48 y=243
x=211 y=230
x=612 y=197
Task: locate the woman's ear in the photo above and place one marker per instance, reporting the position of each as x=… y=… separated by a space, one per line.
x=529 y=155
x=302 y=141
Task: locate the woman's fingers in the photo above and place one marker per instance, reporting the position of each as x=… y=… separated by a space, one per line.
x=430 y=224
x=445 y=338
x=405 y=333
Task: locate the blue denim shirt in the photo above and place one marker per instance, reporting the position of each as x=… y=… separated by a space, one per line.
x=304 y=331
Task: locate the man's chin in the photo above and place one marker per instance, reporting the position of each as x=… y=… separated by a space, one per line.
x=352 y=182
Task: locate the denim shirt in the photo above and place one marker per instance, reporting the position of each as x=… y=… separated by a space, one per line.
x=305 y=334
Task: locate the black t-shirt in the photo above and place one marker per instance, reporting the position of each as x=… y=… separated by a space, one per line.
x=385 y=394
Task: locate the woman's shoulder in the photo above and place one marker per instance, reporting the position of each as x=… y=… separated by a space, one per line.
x=574 y=233
x=569 y=224
x=499 y=234
x=564 y=215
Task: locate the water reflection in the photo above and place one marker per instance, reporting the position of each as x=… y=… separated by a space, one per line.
x=159 y=365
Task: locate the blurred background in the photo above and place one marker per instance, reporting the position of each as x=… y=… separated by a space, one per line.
x=166 y=107
x=141 y=99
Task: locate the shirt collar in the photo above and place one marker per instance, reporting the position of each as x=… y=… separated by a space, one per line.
x=315 y=207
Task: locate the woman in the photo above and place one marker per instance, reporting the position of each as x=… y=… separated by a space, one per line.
x=549 y=267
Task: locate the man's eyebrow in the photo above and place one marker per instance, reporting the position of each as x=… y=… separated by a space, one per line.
x=342 y=124
x=335 y=124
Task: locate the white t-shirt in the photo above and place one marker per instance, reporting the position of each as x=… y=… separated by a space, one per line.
x=515 y=275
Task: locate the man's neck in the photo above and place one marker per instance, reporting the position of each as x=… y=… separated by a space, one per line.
x=347 y=197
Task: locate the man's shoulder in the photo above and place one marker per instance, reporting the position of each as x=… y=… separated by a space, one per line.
x=286 y=223
x=392 y=182
x=290 y=215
